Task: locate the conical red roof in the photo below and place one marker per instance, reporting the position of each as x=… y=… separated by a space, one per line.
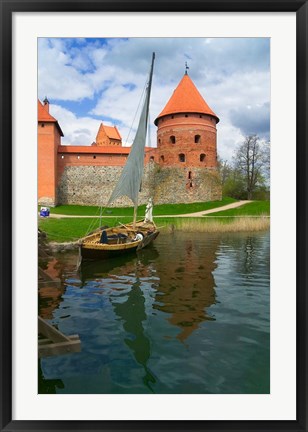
x=44 y=116
x=186 y=99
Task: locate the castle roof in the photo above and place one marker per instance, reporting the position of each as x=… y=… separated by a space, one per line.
x=44 y=116
x=186 y=99
x=111 y=132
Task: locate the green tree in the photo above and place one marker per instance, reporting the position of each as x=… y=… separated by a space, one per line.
x=251 y=161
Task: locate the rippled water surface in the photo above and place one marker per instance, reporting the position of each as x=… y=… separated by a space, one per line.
x=188 y=315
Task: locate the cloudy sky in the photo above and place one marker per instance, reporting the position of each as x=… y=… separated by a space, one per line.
x=92 y=80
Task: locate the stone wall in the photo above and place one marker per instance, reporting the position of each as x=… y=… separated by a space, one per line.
x=186 y=185
x=87 y=185
x=93 y=185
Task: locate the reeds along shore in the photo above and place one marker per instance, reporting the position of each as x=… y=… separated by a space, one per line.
x=242 y=224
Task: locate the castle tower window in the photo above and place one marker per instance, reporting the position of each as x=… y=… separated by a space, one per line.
x=172 y=139
x=159 y=140
x=202 y=157
x=181 y=157
x=186 y=115
x=197 y=139
x=189 y=175
x=152 y=159
x=94 y=157
x=43 y=125
x=162 y=158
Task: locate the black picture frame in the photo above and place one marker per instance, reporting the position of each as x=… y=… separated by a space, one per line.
x=8 y=7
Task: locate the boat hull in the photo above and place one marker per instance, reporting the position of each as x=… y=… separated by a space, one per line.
x=92 y=249
x=91 y=253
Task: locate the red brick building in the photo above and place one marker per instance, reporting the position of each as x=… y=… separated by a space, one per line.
x=186 y=155
x=108 y=135
x=49 y=139
x=186 y=134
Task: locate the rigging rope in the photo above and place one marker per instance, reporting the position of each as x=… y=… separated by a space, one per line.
x=102 y=208
x=149 y=132
x=137 y=110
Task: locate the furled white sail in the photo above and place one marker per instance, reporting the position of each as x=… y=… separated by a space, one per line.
x=129 y=183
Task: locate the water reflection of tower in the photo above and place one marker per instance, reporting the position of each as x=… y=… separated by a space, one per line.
x=187 y=285
x=50 y=293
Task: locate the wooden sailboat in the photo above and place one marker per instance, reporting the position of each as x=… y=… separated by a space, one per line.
x=105 y=243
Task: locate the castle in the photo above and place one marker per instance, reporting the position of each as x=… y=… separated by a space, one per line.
x=181 y=169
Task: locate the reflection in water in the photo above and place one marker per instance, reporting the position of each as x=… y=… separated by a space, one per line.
x=122 y=265
x=50 y=294
x=130 y=307
x=187 y=285
x=132 y=312
x=47 y=386
x=247 y=255
x=188 y=315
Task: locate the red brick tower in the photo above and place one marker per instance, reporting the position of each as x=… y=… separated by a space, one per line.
x=49 y=138
x=186 y=134
x=186 y=148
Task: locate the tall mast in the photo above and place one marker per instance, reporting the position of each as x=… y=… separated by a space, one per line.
x=146 y=125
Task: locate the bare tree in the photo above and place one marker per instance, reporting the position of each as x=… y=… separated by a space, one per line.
x=251 y=160
x=225 y=169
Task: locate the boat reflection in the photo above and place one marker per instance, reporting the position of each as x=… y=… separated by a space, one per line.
x=143 y=262
x=132 y=313
x=130 y=308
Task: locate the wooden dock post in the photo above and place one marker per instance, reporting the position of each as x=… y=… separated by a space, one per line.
x=54 y=342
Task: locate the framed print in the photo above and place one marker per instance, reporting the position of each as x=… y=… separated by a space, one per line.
x=106 y=325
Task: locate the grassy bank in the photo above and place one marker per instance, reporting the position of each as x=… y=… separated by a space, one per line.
x=71 y=229
x=161 y=209
x=255 y=208
x=243 y=224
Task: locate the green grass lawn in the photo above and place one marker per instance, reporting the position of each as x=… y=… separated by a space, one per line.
x=255 y=208
x=161 y=209
x=70 y=229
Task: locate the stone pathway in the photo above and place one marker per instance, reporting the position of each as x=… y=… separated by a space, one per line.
x=196 y=214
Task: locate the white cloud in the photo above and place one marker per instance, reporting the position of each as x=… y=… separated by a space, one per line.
x=77 y=130
x=109 y=75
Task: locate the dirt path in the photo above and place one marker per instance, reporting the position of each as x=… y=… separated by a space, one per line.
x=214 y=210
x=196 y=214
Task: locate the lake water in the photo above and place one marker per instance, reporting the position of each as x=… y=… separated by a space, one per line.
x=188 y=315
